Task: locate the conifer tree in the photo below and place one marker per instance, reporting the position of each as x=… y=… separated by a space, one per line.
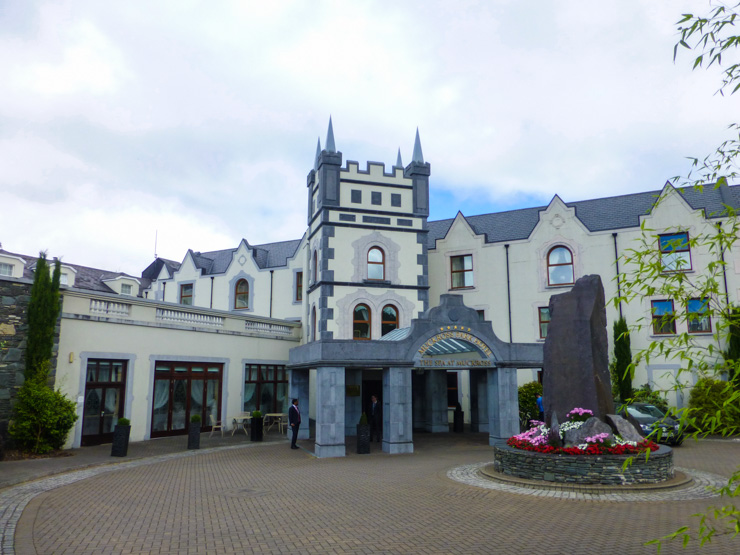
x=43 y=310
x=623 y=359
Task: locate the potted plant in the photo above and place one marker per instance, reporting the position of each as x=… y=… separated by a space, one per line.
x=257 y=426
x=363 y=436
x=194 y=432
x=121 y=433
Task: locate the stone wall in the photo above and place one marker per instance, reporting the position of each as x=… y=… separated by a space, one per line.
x=585 y=469
x=14 y=297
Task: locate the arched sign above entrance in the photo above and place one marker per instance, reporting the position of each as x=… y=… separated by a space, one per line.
x=448 y=341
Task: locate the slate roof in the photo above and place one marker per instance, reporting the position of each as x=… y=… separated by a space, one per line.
x=596 y=214
x=91 y=279
x=269 y=255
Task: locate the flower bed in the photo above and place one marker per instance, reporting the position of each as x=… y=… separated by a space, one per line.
x=568 y=454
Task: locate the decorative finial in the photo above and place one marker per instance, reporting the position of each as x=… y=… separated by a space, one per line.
x=318 y=153
x=399 y=162
x=330 y=138
x=418 y=156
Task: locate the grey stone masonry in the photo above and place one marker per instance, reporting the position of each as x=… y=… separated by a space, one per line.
x=585 y=469
x=14 y=297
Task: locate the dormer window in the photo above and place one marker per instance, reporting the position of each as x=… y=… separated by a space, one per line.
x=127 y=289
x=186 y=294
x=6 y=269
x=560 y=266
x=63 y=279
x=375 y=264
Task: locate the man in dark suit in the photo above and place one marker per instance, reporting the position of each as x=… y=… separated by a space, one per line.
x=376 y=419
x=294 y=418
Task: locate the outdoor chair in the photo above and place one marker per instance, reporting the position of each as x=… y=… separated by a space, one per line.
x=215 y=425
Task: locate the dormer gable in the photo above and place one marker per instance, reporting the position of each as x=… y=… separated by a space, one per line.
x=460 y=231
x=555 y=217
x=123 y=285
x=671 y=207
x=11 y=265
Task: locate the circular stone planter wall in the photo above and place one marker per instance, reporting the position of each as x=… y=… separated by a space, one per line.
x=585 y=469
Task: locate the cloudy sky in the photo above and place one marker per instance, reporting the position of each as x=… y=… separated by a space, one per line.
x=197 y=121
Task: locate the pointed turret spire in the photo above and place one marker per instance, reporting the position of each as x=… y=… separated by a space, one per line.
x=399 y=162
x=418 y=156
x=330 y=138
x=318 y=153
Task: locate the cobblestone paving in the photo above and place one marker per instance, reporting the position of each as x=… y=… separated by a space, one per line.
x=269 y=499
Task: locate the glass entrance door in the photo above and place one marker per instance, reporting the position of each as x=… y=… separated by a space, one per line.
x=105 y=390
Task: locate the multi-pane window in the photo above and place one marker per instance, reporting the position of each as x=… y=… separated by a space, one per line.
x=395 y=199
x=389 y=321
x=299 y=286
x=560 y=266
x=6 y=269
x=462 y=271
x=376 y=198
x=126 y=289
x=356 y=196
x=699 y=321
x=674 y=252
x=361 y=322
x=664 y=322
x=63 y=279
x=544 y=318
x=186 y=293
x=375 y=264
x=265 y=388
x=241 y=294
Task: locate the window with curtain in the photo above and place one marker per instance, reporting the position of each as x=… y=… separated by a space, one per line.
x=186 y=294
x=461 y=269
x=675 y=255
x=699 y=321
x=265 y=388
x=299 y=286
x=389 y=320
x=544 y=317
x=361 y=322
x=560 y=266
x=664 y=322
x=241 y=294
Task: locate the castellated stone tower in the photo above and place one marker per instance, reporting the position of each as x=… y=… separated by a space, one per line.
x=366 y=259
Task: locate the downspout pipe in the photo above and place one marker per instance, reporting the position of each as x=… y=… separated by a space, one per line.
x=616 y=263
x=508 y=289
x=211 y=304
x=724 y=271
x=272 y=273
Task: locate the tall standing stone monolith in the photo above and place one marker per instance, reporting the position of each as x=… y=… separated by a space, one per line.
x=576 y=353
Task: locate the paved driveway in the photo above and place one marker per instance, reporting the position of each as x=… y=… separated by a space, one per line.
x=269 y=499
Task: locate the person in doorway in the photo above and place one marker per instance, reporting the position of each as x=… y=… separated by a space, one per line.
x=376 y=419
x=540 y=407
x=294 y=419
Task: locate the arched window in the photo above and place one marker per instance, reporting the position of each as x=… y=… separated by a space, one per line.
x=559 y=266
x=315 y=266
x=361 y=322
x=313 y=324
x=389 y=321
x=375 y=264
x=241 y=294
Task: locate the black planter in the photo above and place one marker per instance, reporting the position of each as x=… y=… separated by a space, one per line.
x=458 y=422
x=257 y=428
x=363 y=439
x=119 y=448
x=194 y=436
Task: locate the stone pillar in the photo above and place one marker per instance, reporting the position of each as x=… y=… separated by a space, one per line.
x=397 y=429
x=353 y=405
x=299 y=390
x=503 y=405
x=436 y=401
x=418 y=387
x=478 y=401
x=330 y=395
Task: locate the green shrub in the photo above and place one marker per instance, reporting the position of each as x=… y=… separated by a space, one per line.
x=256 y=414
x=528 y=401
x=123 y=422
x=645 y=394
x=363 y=419
x=195 y=419
x=709 y=407
x=42 y=416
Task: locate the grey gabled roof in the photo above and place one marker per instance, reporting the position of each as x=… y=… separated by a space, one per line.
x=269 y=255
x=610 y=213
